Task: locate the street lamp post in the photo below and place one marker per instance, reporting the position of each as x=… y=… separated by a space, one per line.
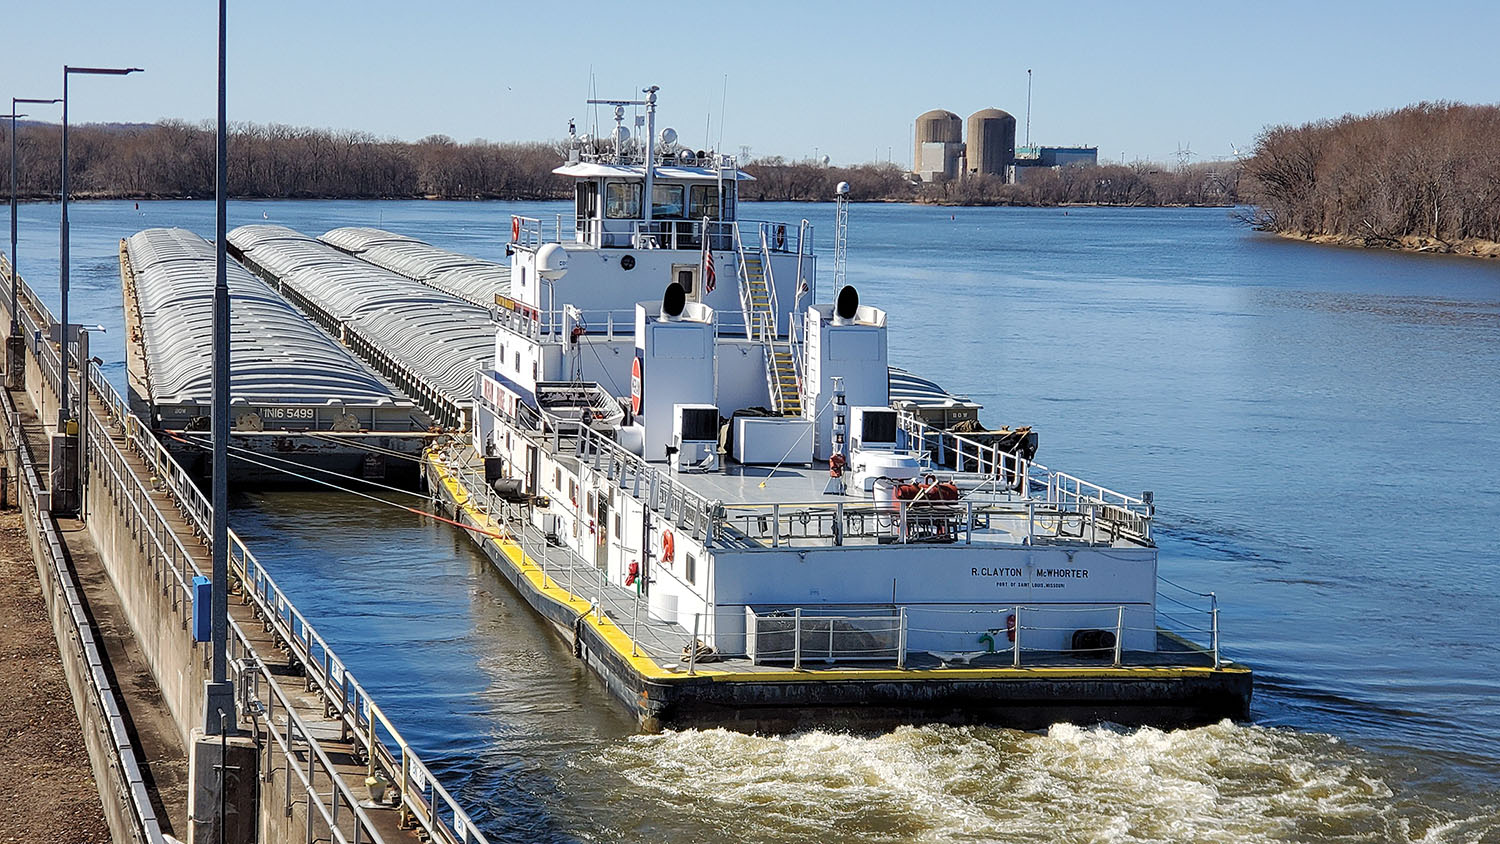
x=13 y=366
x=70 y=460
x=63 y=413
x=219 y=709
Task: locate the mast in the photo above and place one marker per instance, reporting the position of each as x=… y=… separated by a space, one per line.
x=650 y=152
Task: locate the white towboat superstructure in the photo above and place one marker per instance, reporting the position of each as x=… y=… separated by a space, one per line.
x=671 y=404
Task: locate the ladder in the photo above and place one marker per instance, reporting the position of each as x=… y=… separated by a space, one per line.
x=758 y=301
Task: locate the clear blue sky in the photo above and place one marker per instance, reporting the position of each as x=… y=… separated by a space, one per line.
x=842 y=79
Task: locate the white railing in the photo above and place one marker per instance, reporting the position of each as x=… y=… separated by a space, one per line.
x=797 y=634
x=1131 y=516
x=963 y=522
x=682 y=234
x=531 y=232
x=668 y=497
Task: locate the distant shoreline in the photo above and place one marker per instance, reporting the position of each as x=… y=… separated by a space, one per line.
x=916 y=201
x=1466 y=248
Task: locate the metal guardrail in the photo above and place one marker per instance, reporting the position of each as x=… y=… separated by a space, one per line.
x=963 y=522
x=671 y=499
x=424 y=800
x=1131 y=516
x=129 y=781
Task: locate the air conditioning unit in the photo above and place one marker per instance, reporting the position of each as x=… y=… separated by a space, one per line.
x=872 y=429
x=695 y=437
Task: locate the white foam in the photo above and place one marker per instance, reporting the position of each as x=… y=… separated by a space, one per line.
x=1225 y=782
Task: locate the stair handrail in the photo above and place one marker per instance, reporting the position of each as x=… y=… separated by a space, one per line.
x=746 y=304
x=769 y=279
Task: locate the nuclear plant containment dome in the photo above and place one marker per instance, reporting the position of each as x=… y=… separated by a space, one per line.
x=992 y=142
x=941 y=126
x=939 y=146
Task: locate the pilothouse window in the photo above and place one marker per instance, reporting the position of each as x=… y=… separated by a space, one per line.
x=622 y=200
x=703 y=201
x=666 y=201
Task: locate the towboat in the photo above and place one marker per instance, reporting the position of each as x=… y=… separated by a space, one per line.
x=707 y=474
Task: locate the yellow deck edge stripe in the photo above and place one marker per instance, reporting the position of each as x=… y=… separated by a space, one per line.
x=621 y=642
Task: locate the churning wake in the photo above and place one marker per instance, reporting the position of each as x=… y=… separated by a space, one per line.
x=1222 y=783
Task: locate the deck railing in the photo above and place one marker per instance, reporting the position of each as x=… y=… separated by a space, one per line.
x=1130 y=515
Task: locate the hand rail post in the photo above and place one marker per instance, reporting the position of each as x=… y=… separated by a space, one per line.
x=901 y=641
x=693 y=648
x=1015 y=645
x=797 y=639
x=1119 y=634
x=1215 y=637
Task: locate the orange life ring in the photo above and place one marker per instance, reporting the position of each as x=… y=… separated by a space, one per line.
x=780 y=238
x=668 y=546
x=515 y=228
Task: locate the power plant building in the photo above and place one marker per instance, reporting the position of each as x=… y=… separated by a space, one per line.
x=941 y=154
x=939 y=147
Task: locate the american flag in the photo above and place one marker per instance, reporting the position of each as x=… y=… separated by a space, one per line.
x=708 y=261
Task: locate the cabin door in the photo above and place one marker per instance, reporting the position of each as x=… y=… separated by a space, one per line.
x=533 y=470
x=687 y=276
x=601 y=532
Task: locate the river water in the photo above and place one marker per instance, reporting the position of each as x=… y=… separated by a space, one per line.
x=1319 y=427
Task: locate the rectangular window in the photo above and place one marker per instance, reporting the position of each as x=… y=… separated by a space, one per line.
x=666 y=201
x=557 y=479
x=703 y=201
x=618 y=523
x=730 y=189
x=587 y=198
x=622 y=200
x=690 y=568
x=572 y=490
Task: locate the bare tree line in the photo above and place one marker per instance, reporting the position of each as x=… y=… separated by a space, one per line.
x=1430 y=170
x=1210 y=183
x=175 y=159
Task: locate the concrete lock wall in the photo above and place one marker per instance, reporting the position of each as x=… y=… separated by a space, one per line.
x=113 y=777
x=159 y=617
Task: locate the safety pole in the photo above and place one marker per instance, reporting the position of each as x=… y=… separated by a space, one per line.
x=1119 y=634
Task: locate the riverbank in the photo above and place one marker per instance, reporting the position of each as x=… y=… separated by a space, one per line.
x=1467 y=247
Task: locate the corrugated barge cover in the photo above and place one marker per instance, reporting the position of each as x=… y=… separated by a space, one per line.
x=908 y=387
x=469 y=278
x=277 y=356
x=439 y=337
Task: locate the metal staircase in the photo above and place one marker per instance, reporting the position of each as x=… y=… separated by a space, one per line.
x=758 y=301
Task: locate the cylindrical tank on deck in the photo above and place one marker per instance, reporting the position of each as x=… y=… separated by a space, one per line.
x=992 y=142
x=938 y=145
